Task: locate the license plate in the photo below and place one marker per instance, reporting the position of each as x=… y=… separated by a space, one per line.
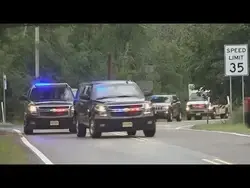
x=54 y=123
x=198 y=114
x=127 y=124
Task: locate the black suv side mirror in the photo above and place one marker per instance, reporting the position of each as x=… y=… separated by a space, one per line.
x=84 y=97
x=23 y=98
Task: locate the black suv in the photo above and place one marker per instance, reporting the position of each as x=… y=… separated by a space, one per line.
x=49 y=106
x=167 y=107
x=109 y=106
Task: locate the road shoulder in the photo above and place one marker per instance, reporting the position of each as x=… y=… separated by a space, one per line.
x=13 y=151
x=223 y=127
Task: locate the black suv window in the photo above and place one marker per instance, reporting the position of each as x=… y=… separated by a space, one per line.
x=160 y=99
x=175 y=98
x=117 y=90
x=51 y=93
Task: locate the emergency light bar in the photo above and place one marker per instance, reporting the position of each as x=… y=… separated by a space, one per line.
x=126 y=110
x=59 y=110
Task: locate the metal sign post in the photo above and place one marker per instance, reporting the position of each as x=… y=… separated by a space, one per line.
x=236 y=64
x=37 y=41
x=3 y=116
x=4 y=98
x=243 y=97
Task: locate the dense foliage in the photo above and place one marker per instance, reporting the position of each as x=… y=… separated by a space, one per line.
x=176 y=54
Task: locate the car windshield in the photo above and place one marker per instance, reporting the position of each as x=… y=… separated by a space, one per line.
x=160 y=99
x=51 y=93
x=196 y=97
x=117 y=90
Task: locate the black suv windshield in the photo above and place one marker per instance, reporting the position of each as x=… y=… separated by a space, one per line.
x=160 y=99
x=117 y=90
x=51 y=93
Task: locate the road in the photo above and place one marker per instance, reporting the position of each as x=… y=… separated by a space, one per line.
x=174 y=143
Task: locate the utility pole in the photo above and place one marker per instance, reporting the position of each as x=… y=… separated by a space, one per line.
x=37 y=37
x=109 y=65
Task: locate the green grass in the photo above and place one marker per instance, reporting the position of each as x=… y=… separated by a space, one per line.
x=237 y=128
x=11 y=149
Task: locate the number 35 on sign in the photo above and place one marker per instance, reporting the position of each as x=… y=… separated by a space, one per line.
x=236 y=60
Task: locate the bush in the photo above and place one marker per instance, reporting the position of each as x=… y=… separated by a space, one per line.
x=238 y=115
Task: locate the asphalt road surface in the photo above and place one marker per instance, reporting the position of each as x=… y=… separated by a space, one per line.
x=173 y=143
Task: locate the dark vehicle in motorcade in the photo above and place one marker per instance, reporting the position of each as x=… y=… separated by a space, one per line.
x=167 y=107
x=109 y=106
x=48 y=106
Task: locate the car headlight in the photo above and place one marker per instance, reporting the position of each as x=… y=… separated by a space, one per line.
x=165 y=107
x=210 y=108
x=32 y=109
x=187 y=108
x=100 y=108
x=72 y=109
x=147 y=107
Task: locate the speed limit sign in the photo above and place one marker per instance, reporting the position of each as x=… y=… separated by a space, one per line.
x=236 y=60
x=236 y=64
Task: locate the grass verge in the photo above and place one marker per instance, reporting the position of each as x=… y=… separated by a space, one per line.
x=11 y=149
x=237 y=128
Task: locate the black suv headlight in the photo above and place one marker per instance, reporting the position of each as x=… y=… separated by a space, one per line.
x=101 y=110
x=32 y=109
x=148 y=108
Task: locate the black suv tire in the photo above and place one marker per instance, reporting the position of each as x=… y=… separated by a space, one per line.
x=150 y=132
x=92 y=129
x=26 y=129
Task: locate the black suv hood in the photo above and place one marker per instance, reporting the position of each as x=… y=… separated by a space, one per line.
x=54 y=103
x=122 y=100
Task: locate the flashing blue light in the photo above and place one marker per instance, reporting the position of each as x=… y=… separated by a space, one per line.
x=101 y=89
x=42 y=84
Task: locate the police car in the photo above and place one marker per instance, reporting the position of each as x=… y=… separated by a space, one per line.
x=49 y=106
x=109 y=106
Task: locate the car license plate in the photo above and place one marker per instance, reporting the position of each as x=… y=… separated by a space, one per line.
x=127 y=124
x=198 y=114
x=54 y=123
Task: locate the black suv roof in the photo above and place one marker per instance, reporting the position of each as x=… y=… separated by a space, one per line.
x=49 y=84
x=108 y=82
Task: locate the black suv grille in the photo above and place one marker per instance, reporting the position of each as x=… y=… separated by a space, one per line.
x=125 y=110
x=47 y=111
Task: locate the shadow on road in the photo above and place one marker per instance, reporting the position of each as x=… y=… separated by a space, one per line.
x=52 y=133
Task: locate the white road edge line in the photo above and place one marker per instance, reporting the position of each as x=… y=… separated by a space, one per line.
x=222 y=161
x=211 y=162
x=33 y=148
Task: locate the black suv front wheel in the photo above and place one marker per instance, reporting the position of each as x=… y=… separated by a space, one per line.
x=92 y=129
x=27 y=129
x=150 y=132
